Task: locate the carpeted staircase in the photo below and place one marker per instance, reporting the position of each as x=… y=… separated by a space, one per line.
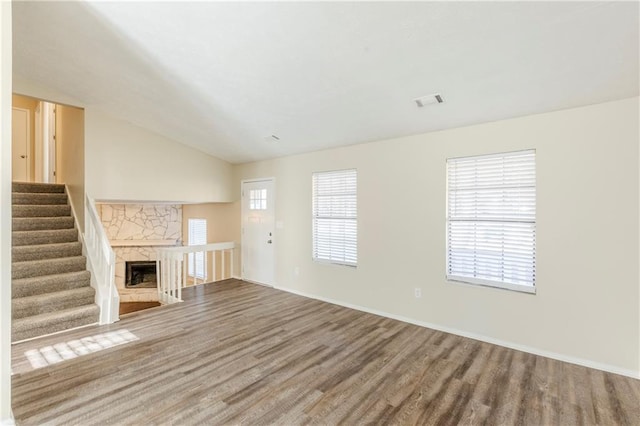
x=50 y=283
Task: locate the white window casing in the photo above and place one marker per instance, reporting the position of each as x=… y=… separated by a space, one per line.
x=491 y=220
x=335 y=217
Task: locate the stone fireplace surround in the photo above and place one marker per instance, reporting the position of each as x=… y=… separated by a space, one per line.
x=135 y=231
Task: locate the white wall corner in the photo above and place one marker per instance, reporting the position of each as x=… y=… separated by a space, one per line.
x=6 y=415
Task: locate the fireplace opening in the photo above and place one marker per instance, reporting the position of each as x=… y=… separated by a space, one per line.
x=140 y=274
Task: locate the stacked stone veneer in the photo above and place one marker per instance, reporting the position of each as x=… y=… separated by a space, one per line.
x=139 y=222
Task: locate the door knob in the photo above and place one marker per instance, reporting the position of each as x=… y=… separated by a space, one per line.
x=23 y=156
x=269 y=241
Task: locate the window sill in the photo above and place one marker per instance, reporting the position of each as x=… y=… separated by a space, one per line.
x=332 y=263
x=493 y=284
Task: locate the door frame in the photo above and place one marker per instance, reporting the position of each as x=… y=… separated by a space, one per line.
x=44 y=143
x=29 y=176
x=243 y=207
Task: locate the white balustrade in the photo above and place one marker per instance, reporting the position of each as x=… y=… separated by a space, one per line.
x=172 y=267
x=102 y=263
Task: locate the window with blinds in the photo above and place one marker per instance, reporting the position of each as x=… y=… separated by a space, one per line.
x=197 y=237
x=491 y=220
x=335 y=217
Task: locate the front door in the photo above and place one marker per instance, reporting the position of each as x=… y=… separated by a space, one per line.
x=20 y=145
x=258 y=240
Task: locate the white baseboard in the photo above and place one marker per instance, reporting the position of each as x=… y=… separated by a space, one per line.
x=8 y=421
x=482 y=338
x=54 y=333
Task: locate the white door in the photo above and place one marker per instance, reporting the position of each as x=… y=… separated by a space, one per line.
x=258 y=219
x=20 y=145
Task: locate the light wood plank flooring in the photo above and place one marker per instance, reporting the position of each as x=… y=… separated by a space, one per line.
x=129 y=307
x=238 y=353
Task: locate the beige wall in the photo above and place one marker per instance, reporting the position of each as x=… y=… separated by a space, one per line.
x=223 y=225
x=126 y=162
x=587 y=304
x=70 y=151
x=31 y=105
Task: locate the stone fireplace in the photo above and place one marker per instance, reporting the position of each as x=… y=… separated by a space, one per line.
x=135 y=231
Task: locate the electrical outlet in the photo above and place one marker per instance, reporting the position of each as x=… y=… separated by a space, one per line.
x=417 y=292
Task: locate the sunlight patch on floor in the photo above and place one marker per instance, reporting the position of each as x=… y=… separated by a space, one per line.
x=59 y=352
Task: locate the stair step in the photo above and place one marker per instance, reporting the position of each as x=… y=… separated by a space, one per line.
x=45 y=251
x=49 y=302
x=41 y=223
x=49 y=283
x=51 y=322
x=38 y=268
x=34 y=210
x=38 y=198
x=37 y=187
x=28 y=238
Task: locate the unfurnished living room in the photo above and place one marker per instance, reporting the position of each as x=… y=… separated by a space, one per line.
x=404 y=213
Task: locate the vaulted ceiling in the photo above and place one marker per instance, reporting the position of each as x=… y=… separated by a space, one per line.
x=224 y=77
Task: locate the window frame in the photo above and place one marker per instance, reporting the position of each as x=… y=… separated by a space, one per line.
x=460 y=278
x=192 y=258
x=314 y=217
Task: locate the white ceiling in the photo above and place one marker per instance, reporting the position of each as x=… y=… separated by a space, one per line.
x=221 y=77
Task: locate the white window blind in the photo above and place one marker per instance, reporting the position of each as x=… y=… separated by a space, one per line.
x=335 y=217
x=491 y=220
x=197 y=237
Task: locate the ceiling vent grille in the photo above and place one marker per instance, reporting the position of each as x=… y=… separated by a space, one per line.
x=271 y=138
x=434 y=98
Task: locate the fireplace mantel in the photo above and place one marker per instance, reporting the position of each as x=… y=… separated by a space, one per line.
x=140 y=243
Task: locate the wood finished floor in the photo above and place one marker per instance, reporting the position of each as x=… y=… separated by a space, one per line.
x=238 y=353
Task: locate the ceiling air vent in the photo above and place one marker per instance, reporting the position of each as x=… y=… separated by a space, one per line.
x=271 y=138
x=434 y=98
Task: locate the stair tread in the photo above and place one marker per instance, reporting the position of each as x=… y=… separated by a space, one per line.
x=88 y=314
x=42 y=223
x=28 y=306
x=22 y=307
x=41 y=210
x=43 y=206
x=38 y=198
x=62 y=293
x=25 y=287
x=63 y=275
x=61 y=313
x=43 y=218
x=45 y=251
x=37 y=247
x=42 y=267
x=44 y=231
x=59 y=259
x=30 y=187
x=43 y=236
